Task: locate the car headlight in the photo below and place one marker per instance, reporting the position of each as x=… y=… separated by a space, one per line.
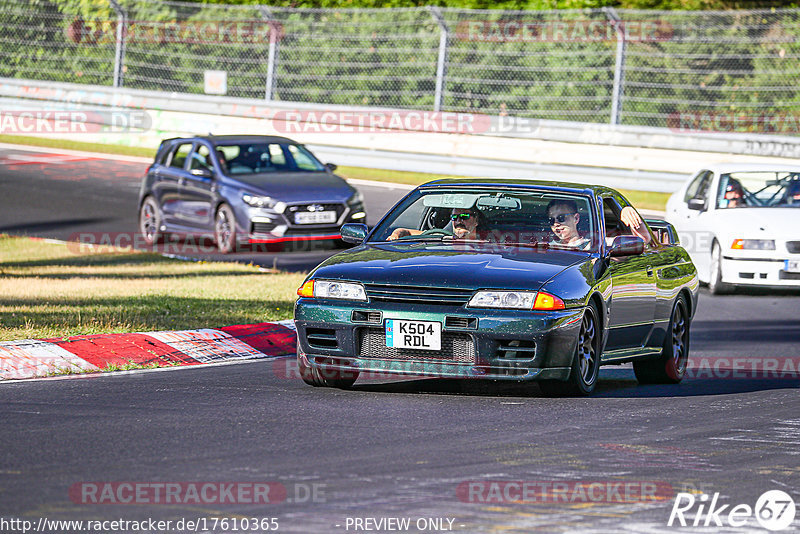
x=357 y=198
x=753 y=244
x=520 y=300
x=332 y=289
x=503 y=299
x=258 y=201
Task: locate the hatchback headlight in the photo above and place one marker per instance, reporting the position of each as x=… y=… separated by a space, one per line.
x=357 y=198
x=753 y=244
x=258 y=201
x=332 y=289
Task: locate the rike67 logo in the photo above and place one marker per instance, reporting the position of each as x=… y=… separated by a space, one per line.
x=774 y=510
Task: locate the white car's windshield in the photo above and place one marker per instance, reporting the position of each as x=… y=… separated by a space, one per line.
x=513 y=218
x=759 y=190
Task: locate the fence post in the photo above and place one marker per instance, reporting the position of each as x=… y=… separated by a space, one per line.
x=619 y=65
x=119 y=52
x=272 y=54
x=441 y=64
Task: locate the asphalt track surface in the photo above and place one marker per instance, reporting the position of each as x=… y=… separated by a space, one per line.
x=398 y=448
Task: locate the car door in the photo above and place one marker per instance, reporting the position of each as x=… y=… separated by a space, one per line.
x=633 y=294
x=197 y=188
x=695 y=226
x=167 y=180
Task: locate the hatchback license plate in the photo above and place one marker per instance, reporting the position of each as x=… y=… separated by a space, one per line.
x=792 y=266
x=422 y=335
x=315 y=217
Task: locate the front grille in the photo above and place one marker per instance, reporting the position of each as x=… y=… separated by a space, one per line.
x=783 y=275
x=263 y=227
x=322 y=338
x=338 y=208
x=455 y=348
x=793 y=247
x=362 y=316
x=418 y=294
x=517 y=349
x=451 y=321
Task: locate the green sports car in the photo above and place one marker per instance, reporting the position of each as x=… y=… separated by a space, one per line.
x=504 y=280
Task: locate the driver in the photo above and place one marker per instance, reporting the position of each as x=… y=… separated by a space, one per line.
x=467 y=224
x=734 y=194
x=563 y=216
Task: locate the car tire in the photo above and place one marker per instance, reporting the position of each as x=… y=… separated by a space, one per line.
x=585 y=363
x=150 y=220
x=330 y=379
x=715 y=284
x=225 y=229
x=670 y=366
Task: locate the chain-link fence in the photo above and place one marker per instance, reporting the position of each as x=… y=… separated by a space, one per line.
x=727 y=70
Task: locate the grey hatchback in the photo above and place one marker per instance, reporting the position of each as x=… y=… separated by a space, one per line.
x=244 y=189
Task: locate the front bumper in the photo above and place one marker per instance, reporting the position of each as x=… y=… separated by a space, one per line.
x=491 y=344
x=758 y=272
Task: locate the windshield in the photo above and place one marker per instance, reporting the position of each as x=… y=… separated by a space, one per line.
x=258 y=158
x=759 y=190
x=502 y=216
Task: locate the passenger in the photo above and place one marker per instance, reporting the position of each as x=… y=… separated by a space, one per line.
x=467 y=224
x=223 y=162
x=631 y=219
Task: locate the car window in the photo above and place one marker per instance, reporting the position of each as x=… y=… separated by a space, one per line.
x=201 y=158
x=303 y=159
x=559 y=220
x=179 y=156
x=699 y=186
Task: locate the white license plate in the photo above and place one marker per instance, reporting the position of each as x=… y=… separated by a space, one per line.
x=315 y=217
x=423 y=335
x=792 y=266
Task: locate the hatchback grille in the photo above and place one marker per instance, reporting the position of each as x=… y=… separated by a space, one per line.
x=793 y=247
x=418 y=294
x=263 y=227
x=338 y=208
x=455 y=348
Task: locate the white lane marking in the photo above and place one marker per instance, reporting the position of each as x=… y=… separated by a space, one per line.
x=28 y=358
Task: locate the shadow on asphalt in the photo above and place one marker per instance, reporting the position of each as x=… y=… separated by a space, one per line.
x=606 y=388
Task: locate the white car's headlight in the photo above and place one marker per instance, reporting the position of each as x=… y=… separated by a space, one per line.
x=753 y=244
x=332 y=289
x=503 y=299
x=258 y=201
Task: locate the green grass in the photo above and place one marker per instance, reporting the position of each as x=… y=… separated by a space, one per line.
x=51 y=290
x=640 y=199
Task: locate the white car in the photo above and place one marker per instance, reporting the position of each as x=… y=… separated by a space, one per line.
x=741 y=224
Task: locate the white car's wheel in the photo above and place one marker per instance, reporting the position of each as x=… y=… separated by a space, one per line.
x=715 y=284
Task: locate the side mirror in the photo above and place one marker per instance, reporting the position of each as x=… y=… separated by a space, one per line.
x=331 y=166
x=354 y=233
x=697 y=204
x=626 y=245
x=202 y=173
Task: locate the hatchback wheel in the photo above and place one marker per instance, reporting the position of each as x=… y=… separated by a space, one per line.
x=670 y=366
x=225 y=229
x=585 y=363
x=150 y=221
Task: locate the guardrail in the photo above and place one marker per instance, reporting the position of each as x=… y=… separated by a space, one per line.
x=644 y=158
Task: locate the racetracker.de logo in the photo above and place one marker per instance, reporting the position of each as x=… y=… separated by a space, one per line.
x=94 y=32
x=26 y=122
x=720 y=122
x=549 y=491
x=177 y=493
x=566 y=31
